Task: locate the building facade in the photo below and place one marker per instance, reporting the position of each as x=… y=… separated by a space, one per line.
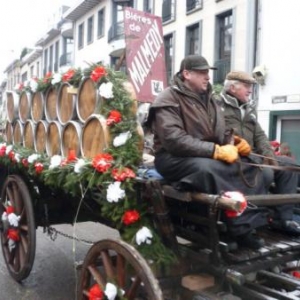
x=232 y=34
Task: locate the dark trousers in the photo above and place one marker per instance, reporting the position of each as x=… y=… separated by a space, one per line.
x=214 y=177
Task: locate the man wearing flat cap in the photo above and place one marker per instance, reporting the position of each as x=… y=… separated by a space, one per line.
x=241 y=118
x=192 y=147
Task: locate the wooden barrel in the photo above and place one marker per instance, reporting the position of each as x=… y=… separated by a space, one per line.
x=88 y=100
x=12 y=106
x=66 y=103
x=50 y=104
x=28 y=134
x=8 y=133
x=95 y=136
x=53 y=142
x=40 y=136
x=37 y=107
x=18 y=133
x=130 y=89
x=71 y=138
x=24 y=107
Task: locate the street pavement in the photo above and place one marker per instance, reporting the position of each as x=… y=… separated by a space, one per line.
x=53 y=276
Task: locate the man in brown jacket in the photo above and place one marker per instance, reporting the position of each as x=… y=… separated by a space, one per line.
x=193 y=149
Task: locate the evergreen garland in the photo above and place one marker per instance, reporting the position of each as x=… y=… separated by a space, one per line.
x=118 y=164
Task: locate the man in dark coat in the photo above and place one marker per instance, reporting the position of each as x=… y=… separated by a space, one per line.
x=241 y=117
x=193 y=148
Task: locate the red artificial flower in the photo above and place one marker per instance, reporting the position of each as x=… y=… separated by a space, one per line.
x=71 y=156
x=102 y=162
x=122 y=174
x=39 y=167
x=114 y=117
x=11 y=156
x=10 y=209
x=95 y=292
x=47 y=77
x=68 y=75
x=130 y=217
x=21 y=86
x=98 y=73
x=3 y=151
x=25 y=162
x=13 y=234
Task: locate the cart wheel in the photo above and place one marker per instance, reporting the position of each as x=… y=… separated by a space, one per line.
x=119 y=263
x=19 y=259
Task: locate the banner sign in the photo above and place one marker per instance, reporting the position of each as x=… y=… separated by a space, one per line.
x=145 y=56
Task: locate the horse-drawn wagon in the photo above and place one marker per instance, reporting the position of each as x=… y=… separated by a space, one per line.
x=167 y=250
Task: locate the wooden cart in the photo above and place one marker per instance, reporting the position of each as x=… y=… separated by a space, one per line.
x=209 y=265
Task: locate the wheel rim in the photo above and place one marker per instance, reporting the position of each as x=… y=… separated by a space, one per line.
x=19 y=260
x=116 y=262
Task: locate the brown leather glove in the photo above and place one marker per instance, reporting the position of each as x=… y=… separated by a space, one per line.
x=227 y=153
x=242 y=145
x=270 y=161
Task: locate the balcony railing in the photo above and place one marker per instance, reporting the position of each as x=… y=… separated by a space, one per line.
x=65 y=59
x=116 y=31
x=223 y=67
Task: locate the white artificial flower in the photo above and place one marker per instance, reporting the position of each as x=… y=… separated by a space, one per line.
x=8 y=149
x=114 y=192
x=122 y=138
x=144 y=235
x=110 y=291
x=106 y=90
x=13 y=219
x=4 y=217
x=56 y=78
x=33 y=157
x=17 y=157
x=55 y=161
x=2 y=145
x=79 y=165
x=33 y=85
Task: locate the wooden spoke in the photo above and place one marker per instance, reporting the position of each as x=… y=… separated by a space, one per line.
x=107 y=264
x=130 y=294
x=24 y=228
x=22 y=254
x=121 y=270
x=17 y=263
x=24 y=243
x=11 y=255
x=97 y=276
x=9 y=193
x=16 y=200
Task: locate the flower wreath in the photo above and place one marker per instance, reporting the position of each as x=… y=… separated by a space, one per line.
x=109 y=175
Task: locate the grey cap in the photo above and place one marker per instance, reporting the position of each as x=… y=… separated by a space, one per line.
x=195 y=62
x=240 y=76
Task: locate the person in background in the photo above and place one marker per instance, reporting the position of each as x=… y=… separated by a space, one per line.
x=241 y=117
x=275 y=147
x=193 y=149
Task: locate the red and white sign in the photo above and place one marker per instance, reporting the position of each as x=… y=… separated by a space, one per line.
x=145 y=56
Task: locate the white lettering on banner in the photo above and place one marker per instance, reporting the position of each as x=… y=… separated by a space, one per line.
x=145 y=56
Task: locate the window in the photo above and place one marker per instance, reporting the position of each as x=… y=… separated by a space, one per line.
x=148 y=6
x=80 y=35
x=169 y=55
x=223 y=46
x=56 y=56
x=38 y=69
x=101 y=23
x=192 y=5
x=45 y=61
x=50 y=67
x=90 y=30
x=168 y=10
x=193 y=40
x=116 y=31
x=31 y=71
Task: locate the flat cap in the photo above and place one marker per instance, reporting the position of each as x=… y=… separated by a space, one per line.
x=195 y=62
x=240 y=76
